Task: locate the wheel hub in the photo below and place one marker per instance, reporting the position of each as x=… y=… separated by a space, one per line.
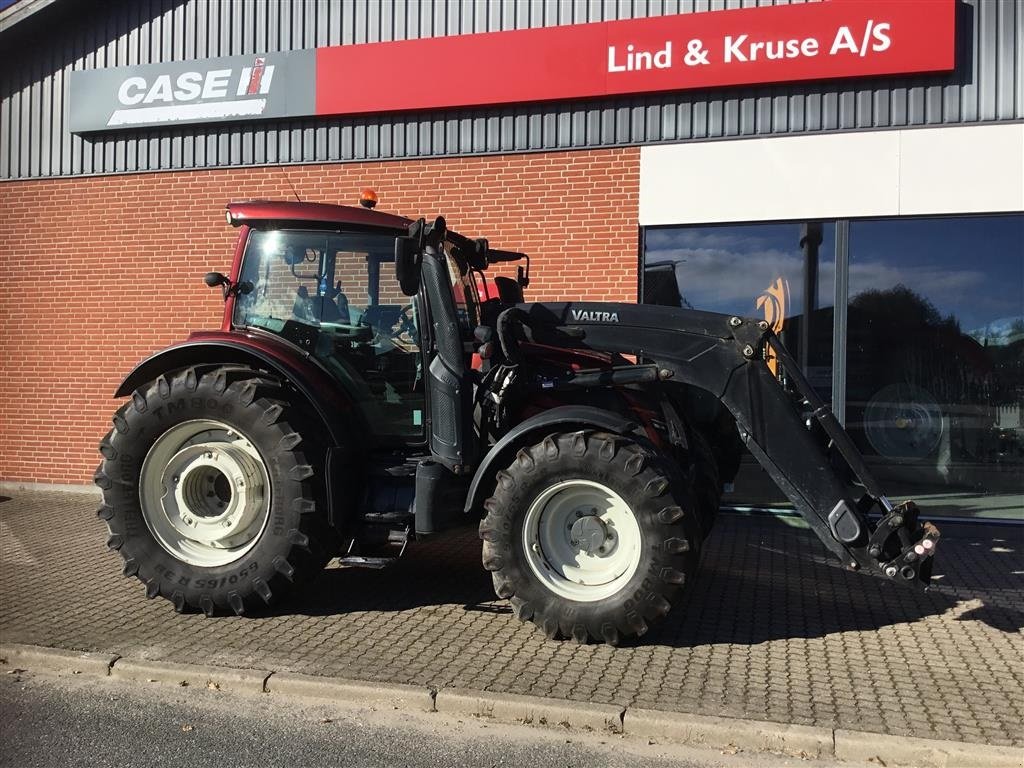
x=204 y=490
x=214 y=490
x=582 y=540
x=590 y=535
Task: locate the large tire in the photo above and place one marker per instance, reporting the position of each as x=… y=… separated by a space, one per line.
x=707 y=487
x=255 y=440
x=649 y=528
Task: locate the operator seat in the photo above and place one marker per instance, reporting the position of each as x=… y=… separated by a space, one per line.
x=509 y=291
x=319 y=308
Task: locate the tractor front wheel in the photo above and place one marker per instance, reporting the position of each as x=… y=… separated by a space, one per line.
x=590 y=536
x=212 y=486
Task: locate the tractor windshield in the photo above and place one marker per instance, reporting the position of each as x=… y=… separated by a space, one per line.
x=336 y=295
x=318 y=277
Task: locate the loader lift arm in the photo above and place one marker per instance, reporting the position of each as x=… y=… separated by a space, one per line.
x=726 y=356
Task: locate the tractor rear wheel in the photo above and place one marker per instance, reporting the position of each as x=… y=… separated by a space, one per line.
x=212 y=490
x=590 y=536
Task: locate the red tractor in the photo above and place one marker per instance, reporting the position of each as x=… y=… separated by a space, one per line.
x=372 y=383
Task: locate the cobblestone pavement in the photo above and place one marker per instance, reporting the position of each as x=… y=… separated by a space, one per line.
x=771 y=629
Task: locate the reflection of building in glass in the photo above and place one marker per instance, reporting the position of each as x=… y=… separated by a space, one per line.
x=932 y=337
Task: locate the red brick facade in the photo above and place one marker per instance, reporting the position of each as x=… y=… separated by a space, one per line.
x=99 y=272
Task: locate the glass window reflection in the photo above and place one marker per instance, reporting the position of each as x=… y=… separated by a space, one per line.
x=935 y=358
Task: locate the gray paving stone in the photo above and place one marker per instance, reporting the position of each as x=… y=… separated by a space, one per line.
x=769 y=631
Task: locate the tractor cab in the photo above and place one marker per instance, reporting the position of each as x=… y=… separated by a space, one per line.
x=333 y=289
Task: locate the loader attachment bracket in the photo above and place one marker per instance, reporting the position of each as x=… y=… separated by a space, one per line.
x=900 y=552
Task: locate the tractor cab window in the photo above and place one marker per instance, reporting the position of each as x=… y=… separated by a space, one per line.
x=464 y=291
x=336 y=295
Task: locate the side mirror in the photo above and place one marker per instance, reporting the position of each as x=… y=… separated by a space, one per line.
x=213 y=279
x=408 y=260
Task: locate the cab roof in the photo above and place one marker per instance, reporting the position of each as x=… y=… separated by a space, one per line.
x=281 y=211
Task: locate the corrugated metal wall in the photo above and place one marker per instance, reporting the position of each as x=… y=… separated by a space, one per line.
x=38 y=55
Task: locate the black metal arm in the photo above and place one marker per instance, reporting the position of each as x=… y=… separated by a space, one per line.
x=726 y=356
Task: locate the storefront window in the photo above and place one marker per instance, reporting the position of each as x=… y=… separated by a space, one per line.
x=935 y=359
x=753 y=270
x=933 y=393
x=770 y=271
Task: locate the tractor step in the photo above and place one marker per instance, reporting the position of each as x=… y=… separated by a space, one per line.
x=360 y=561
x=398 y=518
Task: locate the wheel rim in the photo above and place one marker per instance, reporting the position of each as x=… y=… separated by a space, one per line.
x=582 y=540
x=205 y=492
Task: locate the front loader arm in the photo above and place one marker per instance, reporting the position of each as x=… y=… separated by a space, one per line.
x=726 y=356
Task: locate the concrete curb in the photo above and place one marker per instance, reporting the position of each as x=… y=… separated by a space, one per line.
x=16 y=486
x=185 y=675
x=910 y=751
x=56 y=660
x=722 y=732
x=694 y=730
x=510 y=707
x=405 y=697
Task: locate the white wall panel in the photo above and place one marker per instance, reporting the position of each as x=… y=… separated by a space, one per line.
x=968 y=169
x=962 y=170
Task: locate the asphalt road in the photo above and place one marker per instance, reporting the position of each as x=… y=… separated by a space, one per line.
x=73 y=721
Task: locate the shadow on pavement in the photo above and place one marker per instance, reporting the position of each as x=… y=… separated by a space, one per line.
x=761 y=579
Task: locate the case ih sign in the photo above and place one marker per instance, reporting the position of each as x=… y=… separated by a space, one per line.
x=813 y=41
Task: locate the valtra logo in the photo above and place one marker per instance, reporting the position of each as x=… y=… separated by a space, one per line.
x=195 y=95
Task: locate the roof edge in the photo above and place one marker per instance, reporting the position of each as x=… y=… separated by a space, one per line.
x=19 y=11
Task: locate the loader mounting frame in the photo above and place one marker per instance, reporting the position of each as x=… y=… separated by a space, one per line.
x=793 y=434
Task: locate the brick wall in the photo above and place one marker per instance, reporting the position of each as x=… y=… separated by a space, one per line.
x=96 y=273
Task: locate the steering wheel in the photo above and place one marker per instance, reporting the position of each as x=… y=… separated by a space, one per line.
x=405 y=323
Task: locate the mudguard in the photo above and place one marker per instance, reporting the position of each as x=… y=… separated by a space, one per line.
x=535 y=429
x=280 y=358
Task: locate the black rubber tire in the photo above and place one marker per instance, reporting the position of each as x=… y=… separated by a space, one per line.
x=290 y=547
x=707 y=487
x=660 y=500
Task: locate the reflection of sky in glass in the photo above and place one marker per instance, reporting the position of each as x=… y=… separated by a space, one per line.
x=725 y=268
x=968 y=267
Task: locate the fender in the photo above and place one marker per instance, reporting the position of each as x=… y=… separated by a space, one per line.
x=297 y=368
x=534 y=429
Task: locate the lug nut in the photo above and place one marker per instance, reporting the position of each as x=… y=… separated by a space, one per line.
x=891 y=571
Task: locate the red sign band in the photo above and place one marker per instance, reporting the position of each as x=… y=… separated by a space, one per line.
x=814 y=41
